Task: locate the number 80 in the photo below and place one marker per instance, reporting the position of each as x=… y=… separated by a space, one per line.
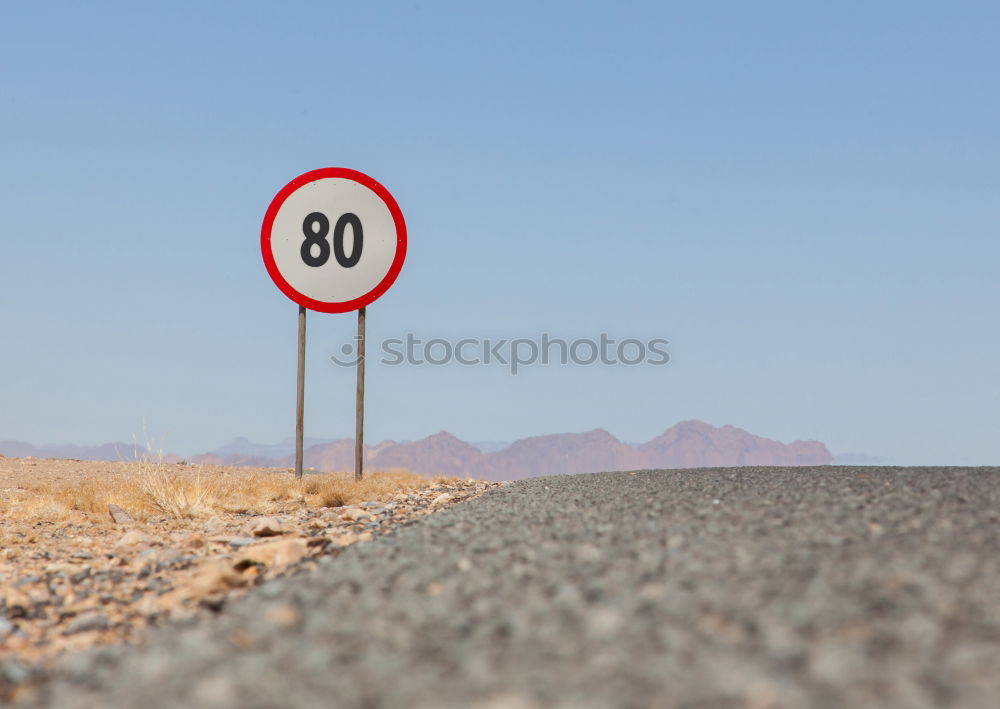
x=316 y=227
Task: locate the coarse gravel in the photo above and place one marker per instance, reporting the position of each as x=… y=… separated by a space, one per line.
x=732 y=587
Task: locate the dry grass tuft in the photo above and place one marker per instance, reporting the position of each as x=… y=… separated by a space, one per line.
x=190 y=492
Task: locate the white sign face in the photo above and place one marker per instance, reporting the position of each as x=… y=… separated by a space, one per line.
x=333 y=240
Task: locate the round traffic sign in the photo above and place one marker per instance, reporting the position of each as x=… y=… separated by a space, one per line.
x=333 y=240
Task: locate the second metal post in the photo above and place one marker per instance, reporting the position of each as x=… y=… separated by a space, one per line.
x=300 y=391
x=359 y=432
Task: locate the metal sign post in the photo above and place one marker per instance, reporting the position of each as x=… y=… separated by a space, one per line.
x=333 y=240
x=300 y=392
x=359 y=412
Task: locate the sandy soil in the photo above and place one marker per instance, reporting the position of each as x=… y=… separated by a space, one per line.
x=187 y=538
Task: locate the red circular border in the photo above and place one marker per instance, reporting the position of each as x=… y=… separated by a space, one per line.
x=285 y=286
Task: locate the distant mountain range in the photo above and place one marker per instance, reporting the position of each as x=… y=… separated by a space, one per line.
x=689 y=444
x=106 y=451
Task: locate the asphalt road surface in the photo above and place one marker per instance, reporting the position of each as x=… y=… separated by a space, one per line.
x=749 y=587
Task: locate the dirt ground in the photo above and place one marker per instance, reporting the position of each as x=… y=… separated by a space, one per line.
x=95 y=552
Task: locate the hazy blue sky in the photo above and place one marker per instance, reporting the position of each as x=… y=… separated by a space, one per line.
x=804 y=198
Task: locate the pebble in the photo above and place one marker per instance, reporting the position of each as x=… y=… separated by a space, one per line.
x=132 y=538
x=86 y=623
x=157 y=585
x=354 y=514
x=6 y=627
x=283 y=615
x=13 y=671
x=195 y=541
x=443 y=498
x=119 y=515
x=276 y=555
x=263 y=527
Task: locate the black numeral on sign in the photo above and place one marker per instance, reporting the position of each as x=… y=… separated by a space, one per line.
x=338 y=240
x=316 y=227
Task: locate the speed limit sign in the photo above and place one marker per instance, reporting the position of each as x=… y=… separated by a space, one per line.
x=333 y=240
